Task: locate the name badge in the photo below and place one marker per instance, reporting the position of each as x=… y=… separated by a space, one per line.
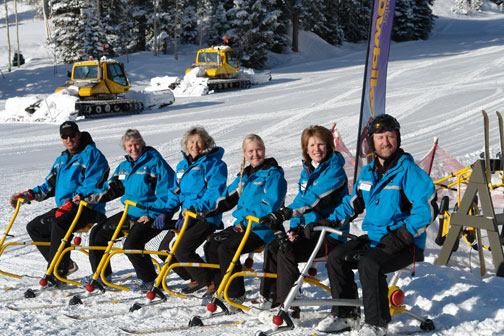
x=365 y=186
x=122 y=177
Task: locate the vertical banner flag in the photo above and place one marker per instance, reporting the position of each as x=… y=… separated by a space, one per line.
x=375 y=73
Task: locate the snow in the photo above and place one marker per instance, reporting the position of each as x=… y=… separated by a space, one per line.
x=436 y=88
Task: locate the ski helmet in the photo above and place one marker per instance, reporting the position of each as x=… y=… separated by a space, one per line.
x=383 y=123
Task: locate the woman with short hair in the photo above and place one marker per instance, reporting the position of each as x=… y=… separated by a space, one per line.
x=201 y=178
x=322 y=185
x=144 y=177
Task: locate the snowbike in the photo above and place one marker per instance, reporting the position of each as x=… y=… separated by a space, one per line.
x=283 y=322
x=52 y=270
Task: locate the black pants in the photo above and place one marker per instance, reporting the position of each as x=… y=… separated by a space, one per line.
x=193 y=237
x=373 y=267
x=221 y=248
x=47 y=228
x=285 y=265
x=139 y=234
x=165 y=246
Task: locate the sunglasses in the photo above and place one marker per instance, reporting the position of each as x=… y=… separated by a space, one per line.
x=66 y=136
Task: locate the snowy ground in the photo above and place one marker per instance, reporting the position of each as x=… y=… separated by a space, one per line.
x=436 y=88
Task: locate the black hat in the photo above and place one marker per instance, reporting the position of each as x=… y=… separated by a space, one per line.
x=69 y=127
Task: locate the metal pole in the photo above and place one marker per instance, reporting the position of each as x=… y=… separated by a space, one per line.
x=17 y=36
x=8 y=36
x=175 y=31
x=155 y=28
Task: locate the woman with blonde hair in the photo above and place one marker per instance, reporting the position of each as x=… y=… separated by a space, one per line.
x=257 y=190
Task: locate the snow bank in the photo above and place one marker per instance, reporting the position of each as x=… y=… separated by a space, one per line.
x=153 y=99
x=55 y=108
x=256 y=77
x=195 y=84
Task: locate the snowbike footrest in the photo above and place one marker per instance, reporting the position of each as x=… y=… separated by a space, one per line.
x=98 y=285
x=159 y=293
x=221 y=305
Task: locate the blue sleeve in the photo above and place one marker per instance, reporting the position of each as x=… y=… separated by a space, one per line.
x=216 y=178
x=421 y=193
x=46 y=190
x=96 y=173
x=332 y=179
x=345 y=208
x=273 y=197
x=112 y=189
x=164 y=185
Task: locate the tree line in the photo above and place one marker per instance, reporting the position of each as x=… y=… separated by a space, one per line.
x=253 y=27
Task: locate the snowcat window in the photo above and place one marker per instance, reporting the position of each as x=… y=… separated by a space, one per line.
x=207 y=58
x=116 y=74
x=86 y=72
x=232 y=59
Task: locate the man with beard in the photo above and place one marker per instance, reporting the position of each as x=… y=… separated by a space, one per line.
x=400 y=202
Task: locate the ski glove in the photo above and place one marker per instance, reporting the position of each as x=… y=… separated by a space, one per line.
x=63 y=208
x=26 y=195
x=308 y=229
x=160 y=222
x=192 y=220
x=275 y=219
x=284 y=245
x=397 y=240
x=357 y=205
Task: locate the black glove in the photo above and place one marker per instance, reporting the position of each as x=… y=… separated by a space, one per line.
x=284 y=245
x=357 y=205
x=397 y=240
x=27 y=196
x=275 y=219
x=308 y=229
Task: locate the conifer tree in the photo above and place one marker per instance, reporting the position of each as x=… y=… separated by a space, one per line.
x=116 y=25
x=188 y=21
x=321 y=17
x=65 y=14
x=219 y=23
x=424 y=19
x=138 y=13
x=403 y=28
x=91 y=36
x=354 y=18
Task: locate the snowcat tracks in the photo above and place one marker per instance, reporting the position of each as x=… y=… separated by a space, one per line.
x=228 y=84
x=106 y=108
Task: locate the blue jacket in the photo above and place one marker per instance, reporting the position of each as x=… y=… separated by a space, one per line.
x=146 y=181
x=75 y=174
x=200 y=183
x=319 y=192
x=263 y=191
x=404 y=195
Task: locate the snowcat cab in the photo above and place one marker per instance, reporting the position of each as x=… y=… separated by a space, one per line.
x=100 y=84
x=221 y=65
